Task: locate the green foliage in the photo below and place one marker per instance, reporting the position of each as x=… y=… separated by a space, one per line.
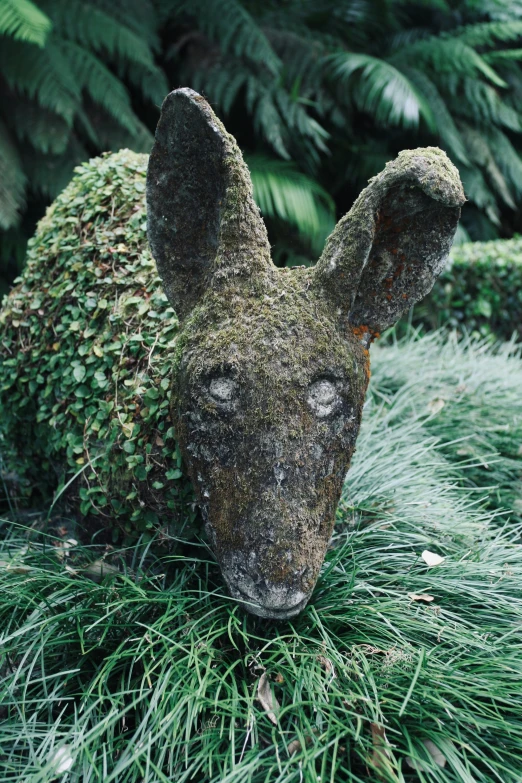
x=480 y=290
x=282 y=191
x=66 y=70
x=24 y=21
x=369 y=76
x=150 y=673
x=335 y=90
x=84 y=337
x=472 y=405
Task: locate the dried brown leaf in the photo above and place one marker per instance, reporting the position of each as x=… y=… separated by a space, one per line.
x=421 y=597
x=267 y=699
x=380 y=754
x=326 y=664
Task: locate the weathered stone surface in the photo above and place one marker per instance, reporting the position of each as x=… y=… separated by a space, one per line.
x=268 y=368
x=272 y=365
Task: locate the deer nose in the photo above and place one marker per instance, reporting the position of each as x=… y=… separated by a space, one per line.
x=270 y=600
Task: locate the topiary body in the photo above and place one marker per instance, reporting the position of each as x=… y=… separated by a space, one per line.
x=85 y=341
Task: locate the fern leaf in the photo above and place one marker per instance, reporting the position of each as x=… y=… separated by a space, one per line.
x=22 y=20
x=43 y=129
x=480 y=152
x=104 y=88
x=41 y=74
x=229 y=24
x=96 y=29
x=150 y=80
x=488 y=33
x=381 y=89
x=283 y=192
x=12 y=181
x=446 y=128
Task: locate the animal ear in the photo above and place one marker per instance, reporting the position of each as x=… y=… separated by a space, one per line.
x=202 y=221
x=387 y=252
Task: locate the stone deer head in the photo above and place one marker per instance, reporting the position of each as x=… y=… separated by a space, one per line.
x=272 y=365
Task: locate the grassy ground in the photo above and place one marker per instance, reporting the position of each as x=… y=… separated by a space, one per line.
x=396 y=671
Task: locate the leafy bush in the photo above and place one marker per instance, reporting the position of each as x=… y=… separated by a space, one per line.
x=396 y=671
x=85 y=339
x=479 y=291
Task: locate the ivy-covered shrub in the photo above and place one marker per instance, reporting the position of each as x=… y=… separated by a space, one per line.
x=479 y=291
x=85 y=341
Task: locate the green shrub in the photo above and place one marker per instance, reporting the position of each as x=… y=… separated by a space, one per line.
x=85 y=339
x=479 y=291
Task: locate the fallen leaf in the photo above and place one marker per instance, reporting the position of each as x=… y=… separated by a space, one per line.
x=267 y=698
x=279 y=677
x=437 y=756
x=327 y=665
x=421 y=597
x=435 y=406
x=380 y=754
x=296 y=745
x=62 y=760
x=431 y=559
x=100 y=569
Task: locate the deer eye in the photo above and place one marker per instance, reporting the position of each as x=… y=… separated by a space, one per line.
x=223 y=390
x=323 y=398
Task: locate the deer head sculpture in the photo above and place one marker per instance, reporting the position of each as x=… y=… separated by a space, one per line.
x=272 y=365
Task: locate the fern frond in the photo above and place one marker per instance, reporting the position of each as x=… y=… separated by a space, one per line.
x=480 y=153
x=103 y=87
x=50 y=174
x=503 y=56
x=381 y=89
x=508 y=159
x=140 y=16
x=96 y=29
x=22 y=20
x=447 y=55
x=283 y=192
x=41 y=74
x=488 y=33
x=445 y=125
x=233 y=28
x=12 y=181
x=151 y=81
x=478 y=192
x=484 y=104
x=43 y=129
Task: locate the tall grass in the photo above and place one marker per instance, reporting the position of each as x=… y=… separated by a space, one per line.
x=152 y=674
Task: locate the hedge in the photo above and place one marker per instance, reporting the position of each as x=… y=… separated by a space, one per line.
x=479 y=291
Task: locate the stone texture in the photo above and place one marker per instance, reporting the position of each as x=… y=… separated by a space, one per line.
x=268 y=367
x=272 y=365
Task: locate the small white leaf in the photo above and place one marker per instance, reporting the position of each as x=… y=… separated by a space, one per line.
x=435 y=406
x=431 y=559
x=62 y=759
x=267 y=698
x=100 y=569
x=436 y=755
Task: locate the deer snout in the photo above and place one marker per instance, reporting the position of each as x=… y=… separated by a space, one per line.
x=259 y=594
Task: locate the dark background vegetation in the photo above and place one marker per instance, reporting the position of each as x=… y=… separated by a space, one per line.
x=319 y=93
